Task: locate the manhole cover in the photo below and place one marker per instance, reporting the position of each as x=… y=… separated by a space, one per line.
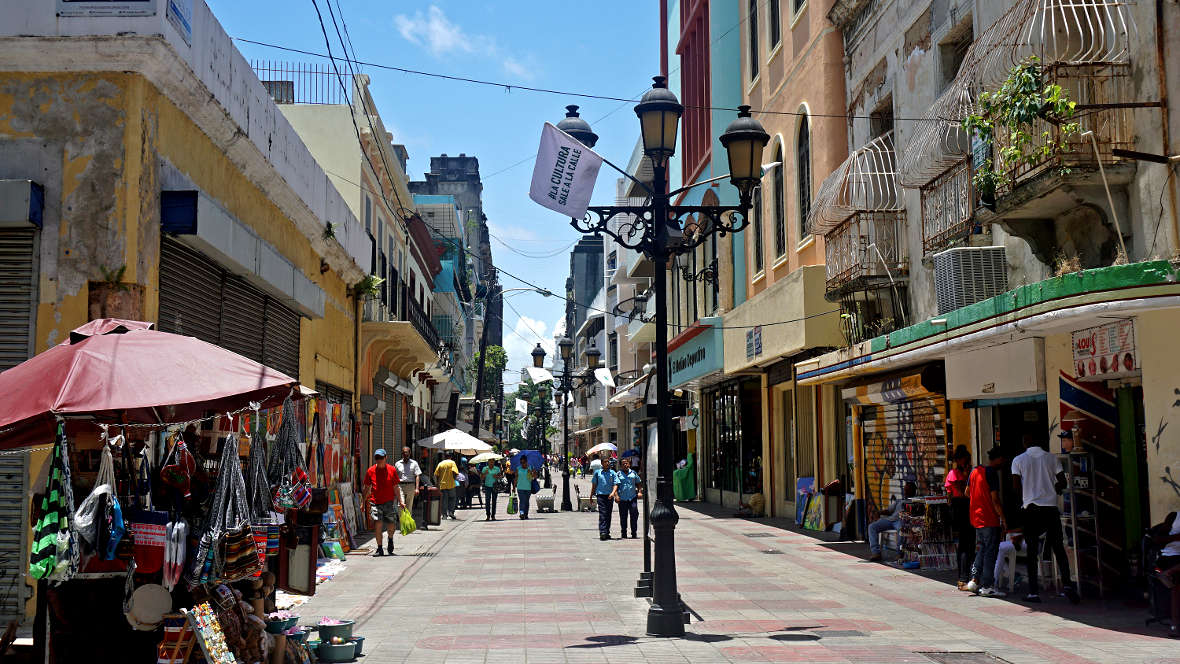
x=962 y=657
x=771 y=551
x=758 y=534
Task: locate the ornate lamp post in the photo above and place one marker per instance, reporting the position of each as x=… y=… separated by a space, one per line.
x=646 y=228
x=567 y=382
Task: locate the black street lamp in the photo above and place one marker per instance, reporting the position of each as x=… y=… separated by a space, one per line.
x=567 y=382
x=646 y=229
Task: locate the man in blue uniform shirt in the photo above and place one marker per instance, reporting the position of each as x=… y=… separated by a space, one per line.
x=603 y=486
x=626 y=494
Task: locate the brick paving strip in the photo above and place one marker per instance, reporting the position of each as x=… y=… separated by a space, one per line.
x=547 y=590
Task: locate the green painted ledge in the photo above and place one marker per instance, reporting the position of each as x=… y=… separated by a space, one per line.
x=1115 y=277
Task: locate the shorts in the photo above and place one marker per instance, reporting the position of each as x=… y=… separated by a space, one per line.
x=386 y=512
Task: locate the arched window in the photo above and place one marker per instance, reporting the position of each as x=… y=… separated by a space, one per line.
x=753 y=26
x=780 y=207
x=756 y=218
x=803 y=173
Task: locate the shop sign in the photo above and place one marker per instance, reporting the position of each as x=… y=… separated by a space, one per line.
x=753 y=342
x=180 y=15
x=106 y=7
x=1105 y=351
x=698 y=353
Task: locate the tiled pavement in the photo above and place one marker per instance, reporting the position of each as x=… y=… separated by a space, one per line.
x=547 y=590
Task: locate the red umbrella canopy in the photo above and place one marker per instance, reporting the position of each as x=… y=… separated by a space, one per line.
x=123 y=371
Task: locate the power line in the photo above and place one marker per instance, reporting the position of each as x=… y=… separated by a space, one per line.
x=567 y=93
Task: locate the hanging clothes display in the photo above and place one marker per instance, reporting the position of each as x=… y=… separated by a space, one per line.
x=53 y=554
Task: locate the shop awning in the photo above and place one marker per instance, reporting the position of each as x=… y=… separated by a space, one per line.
x=929 y=381
x=630 y=393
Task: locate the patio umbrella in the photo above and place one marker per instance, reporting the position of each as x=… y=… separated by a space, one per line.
x=124 y=371
x=536 y=462
x=484 y=457
x=603 y=447
x=631 y=453
x=455 y=440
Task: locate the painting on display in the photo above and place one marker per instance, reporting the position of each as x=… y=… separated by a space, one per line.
x=804 y=487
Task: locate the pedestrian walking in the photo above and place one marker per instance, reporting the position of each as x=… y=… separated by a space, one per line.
x=956 y=488
x=490 y=475
x=447 y=473
x=410 y=473
x=889 y=520
x=524 y=485
x=1039 y=478
x=383 y=491
x=602 y=485
x=627 y=493
x=987 y=516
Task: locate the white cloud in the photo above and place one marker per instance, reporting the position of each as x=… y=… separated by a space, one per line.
x=509 y=233
x=520 y=341
x=442 y=37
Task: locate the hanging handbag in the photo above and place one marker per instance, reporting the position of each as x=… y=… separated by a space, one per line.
x=511 y=503
x=285 y=471
x=53 y=553
x=149 y=531
x=227 y=538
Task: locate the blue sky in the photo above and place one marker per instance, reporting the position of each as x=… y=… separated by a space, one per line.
x=608 y=48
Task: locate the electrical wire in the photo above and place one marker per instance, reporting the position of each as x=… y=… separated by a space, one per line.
x=568 y=93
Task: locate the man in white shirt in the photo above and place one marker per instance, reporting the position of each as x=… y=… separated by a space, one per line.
x=1039 y=479
x=409 y=472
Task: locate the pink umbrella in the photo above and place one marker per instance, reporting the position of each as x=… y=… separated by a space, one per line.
x=123 y=371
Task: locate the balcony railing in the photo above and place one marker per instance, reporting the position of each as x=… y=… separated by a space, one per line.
x=948 y=203
x=865 y=245
x=413 y=312
x=1100 y=90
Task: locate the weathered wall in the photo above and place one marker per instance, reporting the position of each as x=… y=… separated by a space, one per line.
x=1155 y=336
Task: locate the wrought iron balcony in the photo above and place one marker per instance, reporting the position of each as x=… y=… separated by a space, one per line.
x=948 y=205
x=1101 y=92
x=413 y=312
x=864 y=249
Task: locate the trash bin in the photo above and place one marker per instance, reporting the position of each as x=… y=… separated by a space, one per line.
x=431 y=506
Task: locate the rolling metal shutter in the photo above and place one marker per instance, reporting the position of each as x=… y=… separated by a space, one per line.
x=399 y=420
x=190 y=293
x=280 y=347
x=14 y=477
x=200 y=299
x=18 y=285
x=243 y=311
x=903 y=432
x=389 y=426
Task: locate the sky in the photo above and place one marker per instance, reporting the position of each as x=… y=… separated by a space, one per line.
x=609 y=47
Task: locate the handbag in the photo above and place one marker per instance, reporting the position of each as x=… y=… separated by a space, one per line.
x=226 y=548
x=148 y=532
x=511 y=503
x=536 y=486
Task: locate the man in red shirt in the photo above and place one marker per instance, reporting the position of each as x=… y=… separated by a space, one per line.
x=382 y=485
x=987 y=516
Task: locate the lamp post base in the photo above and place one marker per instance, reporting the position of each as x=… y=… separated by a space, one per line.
x=665 y=622
x=643 y=587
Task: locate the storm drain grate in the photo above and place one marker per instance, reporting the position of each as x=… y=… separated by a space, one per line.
x=771 y=551
x=758 y=534
x=419 y=554
x=962 y=658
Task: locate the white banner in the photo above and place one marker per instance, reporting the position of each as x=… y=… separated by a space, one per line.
x=539 y=375
x=604 y=377
x=522 y=406
x=565 y=172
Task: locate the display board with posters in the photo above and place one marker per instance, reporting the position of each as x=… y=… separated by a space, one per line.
x=1105 y=351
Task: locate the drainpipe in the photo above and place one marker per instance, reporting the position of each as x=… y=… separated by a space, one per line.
x=1164 y=128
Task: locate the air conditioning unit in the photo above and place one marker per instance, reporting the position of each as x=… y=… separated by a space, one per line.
x=966 y=275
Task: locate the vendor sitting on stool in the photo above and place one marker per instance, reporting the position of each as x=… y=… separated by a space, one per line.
x=1168 y=565
x=889 y=520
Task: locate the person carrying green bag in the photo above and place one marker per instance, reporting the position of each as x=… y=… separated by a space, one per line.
x=406 y=522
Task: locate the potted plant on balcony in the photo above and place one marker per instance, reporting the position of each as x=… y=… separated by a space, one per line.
x=1011 y=114
x=369 y=287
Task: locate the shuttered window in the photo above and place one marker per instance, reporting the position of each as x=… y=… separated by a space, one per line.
x=198 y=298
x=18 y=275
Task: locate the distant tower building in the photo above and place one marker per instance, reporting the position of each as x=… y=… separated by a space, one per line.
x=459 y=177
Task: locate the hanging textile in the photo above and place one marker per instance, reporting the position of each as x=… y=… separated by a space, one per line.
x=53 y=553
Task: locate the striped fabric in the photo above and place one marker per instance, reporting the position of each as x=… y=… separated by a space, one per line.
x=53 y=553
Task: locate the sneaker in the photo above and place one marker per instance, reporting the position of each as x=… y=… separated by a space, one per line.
x=963 y=586
x=992 y=592
x=634 y=536
x=875 y=558
x=1033 y=597
x=380 y=552
x=972 y=586
x=1072 y=595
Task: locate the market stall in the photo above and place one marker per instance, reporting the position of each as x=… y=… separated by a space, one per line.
x=176 y=498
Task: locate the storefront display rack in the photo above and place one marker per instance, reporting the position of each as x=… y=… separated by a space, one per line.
x=1079 y=520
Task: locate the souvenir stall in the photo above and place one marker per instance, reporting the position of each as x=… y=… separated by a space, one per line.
x=172 y=502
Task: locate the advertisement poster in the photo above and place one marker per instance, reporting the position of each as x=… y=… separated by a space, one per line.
x=1106 y=351
x=67 y=8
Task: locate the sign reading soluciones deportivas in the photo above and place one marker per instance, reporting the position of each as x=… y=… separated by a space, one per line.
x=565 y=172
